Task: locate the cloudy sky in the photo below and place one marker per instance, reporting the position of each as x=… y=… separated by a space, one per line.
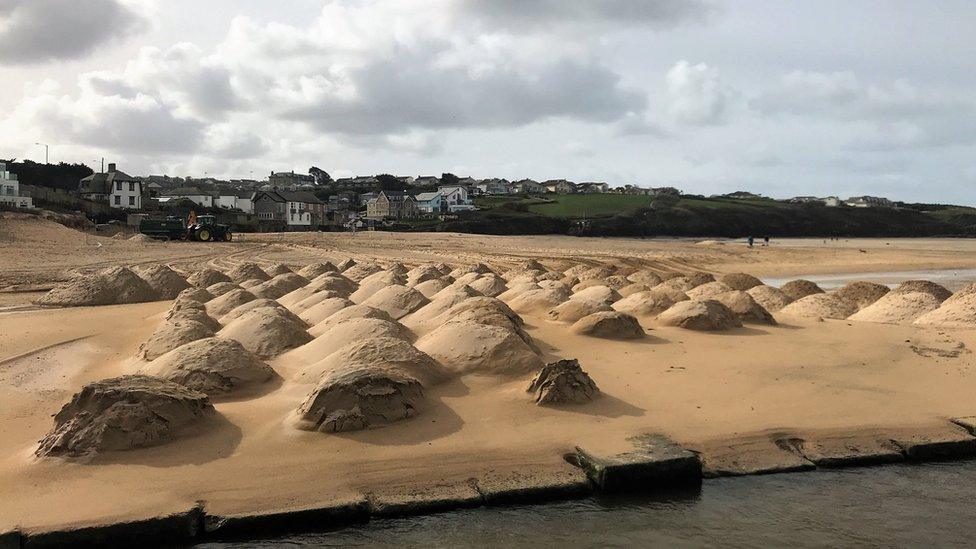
x=784 y=98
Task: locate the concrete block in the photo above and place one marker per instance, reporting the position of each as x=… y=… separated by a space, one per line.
x=655 y=462
x=858 y=450
x=324 y=517
x=175 y=529
x=945 y=442
x=419 y=501
x=533 y=487
x=750 y=456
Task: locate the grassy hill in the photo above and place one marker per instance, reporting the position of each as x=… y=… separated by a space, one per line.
x=631 y=215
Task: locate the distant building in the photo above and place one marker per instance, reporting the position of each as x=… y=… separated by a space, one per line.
x=116 y=188
x=592 y=188
x=664 y=191
x=10 y=190
x=528 y=186
x=193 y=194
x=832 y=202
x=456 y=198
x=431 y=203
x=392 y=205
x=493 y=186
x=559 y=186
x=357 y=184
x=293 y=209
x=869 y=202
x=427 y=181
x=235 y=200
x=290 y=180
x=743 y=195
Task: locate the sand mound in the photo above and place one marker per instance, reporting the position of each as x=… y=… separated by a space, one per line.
x=648 y=303
x=549 y=275
x=172 y=334
x=798 y=289
x=861 y=294
x=316 y=269
x=925 y=287
x=575 y=309
x=540 y=300
x=276 y=269
x=124 y=413
x=645 y=277
x=110 y=287
x=374 y=283
x=323 y=310
x=241 y=310
x=478 y=269
x=632 y=289
x=247 y=271
x=772 y=299
x=310 y=301
x=532 y=265
x=422 y=273
x=600 y=272
x=898 y=308
x=397 y=268
x=182 y=310
x=708 y=290
x=300 y=294
x=562 y=382
x=819 y=306
x=576 y=270
x=490 y=285
x=745 y=307
x=219 y=306
x=361 y=270
x=166 y=282
x=360 y=397
x=333 y=283
x=557 y=285
x=740 y=281
x=278 y=286
x=609 y=325
x=432 y=287
x=569 y=281
x=520 y=277
x=141 y=238
x=386 y=353
x=676 y=284
x=587 y=283
x=707 y=315
x=616 y=282
x=959 y=311
x=346 y=264
x=432 y=314
x=466 y=347
x=251 y=283
x=597 y=293
x=335 y=336
x=515 y=290
x=266 y=332
x=466 y=279
x=399 y=301
x=485 y=310
x=195 y=294
x=222 y=288
x=212 y=366
x=349 y=313
x=207 y=277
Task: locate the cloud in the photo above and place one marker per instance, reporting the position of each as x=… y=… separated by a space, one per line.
x=42 y=30
x=542 y=13
x=696 y=94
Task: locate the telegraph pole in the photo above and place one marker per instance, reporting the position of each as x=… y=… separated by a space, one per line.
x=47 y=151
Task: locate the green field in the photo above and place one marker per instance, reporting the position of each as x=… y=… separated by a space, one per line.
x=589 y=205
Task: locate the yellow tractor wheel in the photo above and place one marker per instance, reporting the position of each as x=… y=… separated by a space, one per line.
x=204 y=235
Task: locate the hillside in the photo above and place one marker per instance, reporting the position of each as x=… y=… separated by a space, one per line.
x=629 y=215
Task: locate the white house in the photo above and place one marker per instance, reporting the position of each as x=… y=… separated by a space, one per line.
x=117 y=188
x=869 y=202
x=193 y=194
x=456 y=198
x=10 y=190
x=235 y=200
x=430 y=202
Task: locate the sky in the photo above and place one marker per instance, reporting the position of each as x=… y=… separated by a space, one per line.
x=785 y=98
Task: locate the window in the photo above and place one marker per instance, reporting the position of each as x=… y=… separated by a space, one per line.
x=132 y=186
x=132 y=201
x=118 y=185
x=118 y=200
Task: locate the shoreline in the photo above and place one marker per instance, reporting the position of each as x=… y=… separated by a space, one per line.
x=658 y=467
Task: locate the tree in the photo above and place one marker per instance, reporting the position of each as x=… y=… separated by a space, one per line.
x=321 y=176
x=57 y=176
x=448 y=179
x=391 y=183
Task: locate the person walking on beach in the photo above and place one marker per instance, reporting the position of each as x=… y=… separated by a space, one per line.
x=765 y=241
x=751 y=241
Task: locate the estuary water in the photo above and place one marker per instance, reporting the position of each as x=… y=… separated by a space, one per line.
x=930 y=505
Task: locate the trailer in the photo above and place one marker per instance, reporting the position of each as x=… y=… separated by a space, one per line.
x=203 y=228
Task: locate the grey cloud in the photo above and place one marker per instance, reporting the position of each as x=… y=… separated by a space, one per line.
x=525 y=13
x=407 y=93
x=41 y=30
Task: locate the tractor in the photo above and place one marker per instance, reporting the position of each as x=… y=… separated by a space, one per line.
x=206 y=229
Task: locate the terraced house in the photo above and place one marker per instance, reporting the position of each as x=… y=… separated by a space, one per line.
x=392 y=205
x=115 y=187
x=278 y=209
